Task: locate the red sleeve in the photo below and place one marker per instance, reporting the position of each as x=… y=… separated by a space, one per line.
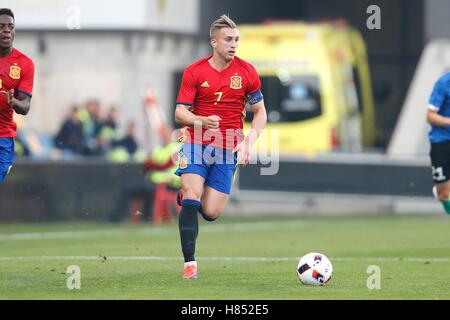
x=254 y=83
x=188 y=89
x=27 y=79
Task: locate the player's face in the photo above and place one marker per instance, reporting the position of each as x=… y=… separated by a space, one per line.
x=225 y=43
x=7 y=31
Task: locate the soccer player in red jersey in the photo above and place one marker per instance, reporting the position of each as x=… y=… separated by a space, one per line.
x=16 y=86
x=211 y=104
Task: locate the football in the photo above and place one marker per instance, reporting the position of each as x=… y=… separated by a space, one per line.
x=314 y=269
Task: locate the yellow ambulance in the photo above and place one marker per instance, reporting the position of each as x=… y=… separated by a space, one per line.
x=316 y=85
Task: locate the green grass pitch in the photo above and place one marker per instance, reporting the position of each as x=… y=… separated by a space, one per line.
x=238 y=258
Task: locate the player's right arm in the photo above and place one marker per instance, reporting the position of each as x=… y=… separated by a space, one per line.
x=436 y=101
x=184 y=117
x=183 y=114
x=20 y=103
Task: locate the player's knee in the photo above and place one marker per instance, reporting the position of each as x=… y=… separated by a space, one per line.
x=209 y=217
x=443 y=195
x=193 y=194
x=211 y=213
x=441 y=192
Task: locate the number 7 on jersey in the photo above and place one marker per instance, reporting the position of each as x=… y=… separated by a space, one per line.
x=219 y=96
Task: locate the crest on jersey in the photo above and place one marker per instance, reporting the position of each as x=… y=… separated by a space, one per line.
x=14 y=72
x=183 y=162
x=236 y=82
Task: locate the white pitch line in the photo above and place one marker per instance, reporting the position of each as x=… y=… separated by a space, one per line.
x=262 y=259
x=267 y=225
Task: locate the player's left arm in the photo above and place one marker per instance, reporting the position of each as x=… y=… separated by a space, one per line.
x=256 y=100
x=258 y=123
x=20 y=98
x=20 y=102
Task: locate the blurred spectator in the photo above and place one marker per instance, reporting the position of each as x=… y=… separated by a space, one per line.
x=70 y=135
x=108 y=132
x=111 y=119
x=126 y=148
x=129 y=140
x=91 y=124
x=85 y=133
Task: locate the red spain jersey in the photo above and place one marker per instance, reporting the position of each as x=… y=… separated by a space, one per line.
x=16 y=72
x=221 y=93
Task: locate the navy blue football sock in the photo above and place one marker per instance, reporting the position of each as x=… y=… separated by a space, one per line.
x=200 y=209
x=188 y=226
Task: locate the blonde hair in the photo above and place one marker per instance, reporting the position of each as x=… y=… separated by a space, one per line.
x=223 y=22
